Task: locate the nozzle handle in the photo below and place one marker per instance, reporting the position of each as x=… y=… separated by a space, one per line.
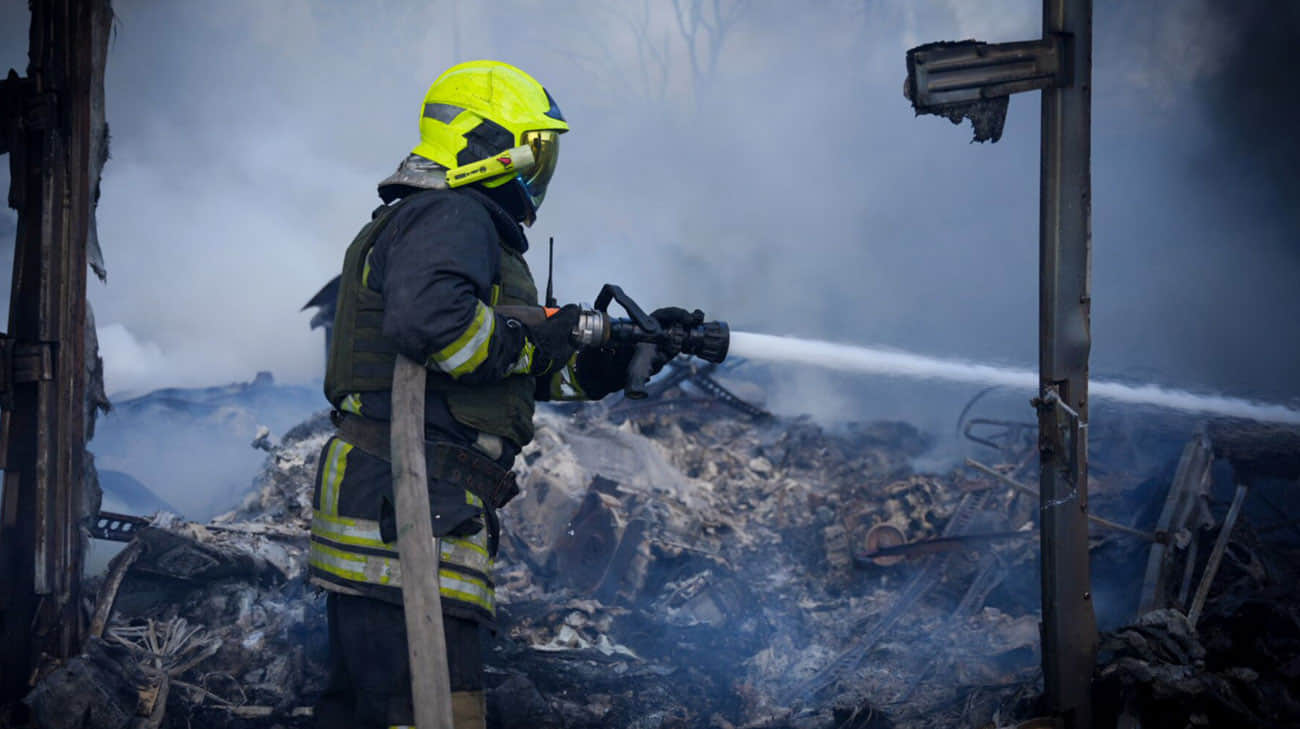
x=638 y=371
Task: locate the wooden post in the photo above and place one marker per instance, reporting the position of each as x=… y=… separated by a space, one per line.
x=419 y=551
x=54 y=131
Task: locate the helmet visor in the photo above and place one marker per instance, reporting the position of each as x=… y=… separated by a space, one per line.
x=545 y=144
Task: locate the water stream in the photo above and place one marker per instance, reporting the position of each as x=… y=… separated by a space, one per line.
x=889 y=362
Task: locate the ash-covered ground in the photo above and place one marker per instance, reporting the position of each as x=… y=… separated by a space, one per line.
x=697 y=566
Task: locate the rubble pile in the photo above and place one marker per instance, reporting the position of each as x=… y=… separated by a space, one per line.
x=715 y=560
x=212 y=625
x=1239 y=666
x=685 y=567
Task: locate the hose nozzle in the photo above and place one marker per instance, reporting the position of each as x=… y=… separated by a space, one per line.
x=708 y=341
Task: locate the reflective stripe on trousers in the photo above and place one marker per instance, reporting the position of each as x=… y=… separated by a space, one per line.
x=352 y=549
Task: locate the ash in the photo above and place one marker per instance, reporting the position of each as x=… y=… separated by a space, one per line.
x=702 y=567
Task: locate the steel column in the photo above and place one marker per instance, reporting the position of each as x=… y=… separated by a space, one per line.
x=1065 y=261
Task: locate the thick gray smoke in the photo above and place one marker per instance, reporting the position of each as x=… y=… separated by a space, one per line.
x=775 y=177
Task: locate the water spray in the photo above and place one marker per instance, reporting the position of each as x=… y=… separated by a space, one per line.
x=894 y=363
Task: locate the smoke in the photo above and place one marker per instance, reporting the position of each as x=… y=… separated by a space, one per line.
x=784 y=186
x=139 y=365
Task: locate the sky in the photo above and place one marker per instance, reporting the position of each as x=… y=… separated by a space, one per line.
x=786 y=188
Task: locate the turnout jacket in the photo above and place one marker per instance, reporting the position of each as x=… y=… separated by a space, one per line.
x=421 y=279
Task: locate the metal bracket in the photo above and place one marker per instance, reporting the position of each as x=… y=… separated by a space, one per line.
x=974 y=80
x=116 y=527
x=22 y=363
x=946 y=73
x=1069 y=436
x=22 y=110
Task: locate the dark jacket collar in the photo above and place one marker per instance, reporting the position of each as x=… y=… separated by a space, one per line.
x=416 y=173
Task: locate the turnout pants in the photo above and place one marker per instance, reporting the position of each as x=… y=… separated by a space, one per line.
x=370 y=674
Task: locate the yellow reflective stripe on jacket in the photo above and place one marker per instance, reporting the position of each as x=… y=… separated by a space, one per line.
x=358 y=532
x=470 y=553
x=351 y=404
x=365 y=271
x=368 y=568
x=564 y=384
x=470 y=348
x=466 y=589
x=473 y=500
x=524 y=363
x=379 y=570
x=336 y=461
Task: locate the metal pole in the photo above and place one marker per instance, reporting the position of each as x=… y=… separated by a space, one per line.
x=1065 y=259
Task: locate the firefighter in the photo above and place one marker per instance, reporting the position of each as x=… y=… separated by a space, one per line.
x=422 y=279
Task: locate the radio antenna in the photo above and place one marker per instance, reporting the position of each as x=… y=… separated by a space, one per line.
x=550 y=275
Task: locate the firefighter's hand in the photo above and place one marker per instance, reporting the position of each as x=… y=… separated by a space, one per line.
x=670 y=318
x=603 y=371
x=550 y=342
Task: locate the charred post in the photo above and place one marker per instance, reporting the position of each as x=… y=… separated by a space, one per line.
x=54 y=133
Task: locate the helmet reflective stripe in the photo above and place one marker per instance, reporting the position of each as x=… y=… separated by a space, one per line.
x=444 y=113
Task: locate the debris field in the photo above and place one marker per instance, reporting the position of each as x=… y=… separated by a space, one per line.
x=707 y=567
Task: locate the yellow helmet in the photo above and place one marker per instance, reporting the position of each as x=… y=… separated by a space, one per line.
x=478 y=109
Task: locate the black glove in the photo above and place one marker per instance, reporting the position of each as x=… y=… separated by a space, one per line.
x=602 y=371
x=674 y=316
x=670 y=315
x=552 y=345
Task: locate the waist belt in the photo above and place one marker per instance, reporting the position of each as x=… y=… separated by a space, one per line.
x=477 y=473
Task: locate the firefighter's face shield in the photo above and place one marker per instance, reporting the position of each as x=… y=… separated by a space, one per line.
x=545 y=145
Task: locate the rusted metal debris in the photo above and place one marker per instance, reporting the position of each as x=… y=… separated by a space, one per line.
x=938 y=545
x=115 y=527
x=689 y=383
x=1022 y=488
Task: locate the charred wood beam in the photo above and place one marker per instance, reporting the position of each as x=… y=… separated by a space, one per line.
x=53 y=131
x=1257 y=449
x=1183 y=512
x=1212 y=566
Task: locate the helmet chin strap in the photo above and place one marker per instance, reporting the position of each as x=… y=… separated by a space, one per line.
x=514 y=198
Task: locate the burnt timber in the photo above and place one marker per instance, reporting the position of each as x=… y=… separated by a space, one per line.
x=56 y=138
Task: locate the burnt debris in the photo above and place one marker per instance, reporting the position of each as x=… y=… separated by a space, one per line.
x=688 y=567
